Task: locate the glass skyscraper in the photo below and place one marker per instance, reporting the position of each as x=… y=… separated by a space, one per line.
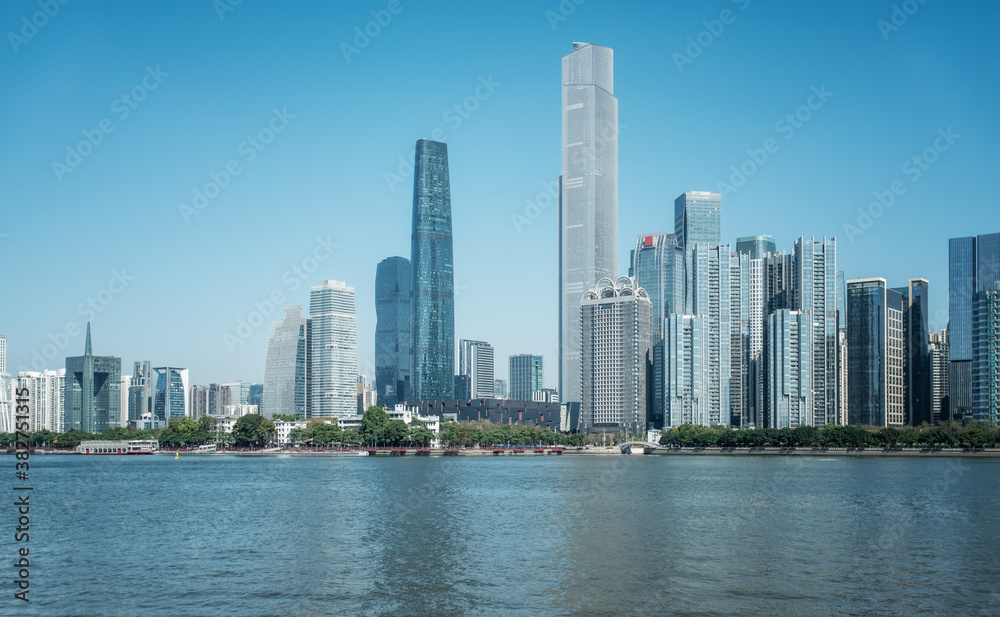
x=286 y=367
x=588 y=196
x=756 y=246
x=432 y=282
x=392 y=331
x=524 y=376
x=875 y=357
x=916 y=357
x=171 y=397
x=986 y=355
x=973 y=266
x=333 y=360
x=698 y=218
x=93 y=391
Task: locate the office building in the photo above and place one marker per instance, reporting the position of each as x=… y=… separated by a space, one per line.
x=367 y=395
x=171 y=395
x=815 y=291
x=286 y=367
x=788 y=386
x=333 y=359
x=140 y=391
x=199 y=401
x=698 y=219
x=500 y=388
x=392 y=330
x=842 y=350
x=616 y=357
x=710 y=294
x=755 y=246
x=740 y=356
x=973 y=266
x=432 y=305
x=463 y=387
x=526 y=376
x=986 y=355
x=545 y=395
x=657 y=263
x=916 y=356
x=588 y=196
x=92 y=396
x=875 y=364
x=475 y=361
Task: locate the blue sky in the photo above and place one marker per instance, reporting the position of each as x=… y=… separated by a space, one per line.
x=171 y=287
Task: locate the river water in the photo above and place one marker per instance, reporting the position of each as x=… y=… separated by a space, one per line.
x=570 y=535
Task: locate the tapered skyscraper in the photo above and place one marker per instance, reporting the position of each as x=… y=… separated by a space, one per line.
x=432 y=324
x=588 y=195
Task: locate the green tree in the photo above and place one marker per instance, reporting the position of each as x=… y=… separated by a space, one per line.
x=373 y=424
x=351 y=437
x=43 y=436
x=396 y=432
x=298 y=435
x=419 y=434
x=326 y=434
x=252 y=430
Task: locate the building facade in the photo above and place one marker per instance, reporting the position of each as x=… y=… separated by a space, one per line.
x=92 y=394
x=916 y=353
x=333 y=360
x=875 y=364
x=756 y=246
x=940 y=366
x=615 y=319
x=286 y=367
x=432 y=304
x=986 y=355
x=788 y=388
x=973 y=266
x=686 y=382
x=392 y=330
x=588 y=195
x=172 y=394
x=525 y=375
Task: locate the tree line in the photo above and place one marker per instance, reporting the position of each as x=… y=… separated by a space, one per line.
x=947 y=435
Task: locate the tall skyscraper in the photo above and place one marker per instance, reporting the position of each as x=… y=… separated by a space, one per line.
x=392 y=330
x=432 y=325
x=286 y=367
x=710 y=294
x=842 y=349
x=46 y=399
x=93 y=400
x=916 y=356
x=986 y=355
x=875 y=364
x=616 y=357
x=588 y=196
x=686 y=381
x=740 y=348
x=525 y=376
x=172 y=395
x=788 y=389
x=483 y=384
x=333 y=361
x=698 y=218
x=140 y=390
x=815 y=291
x=973 y=266
x=756 y=246
x=199 y=401
x=940 y=366
x=657 y=263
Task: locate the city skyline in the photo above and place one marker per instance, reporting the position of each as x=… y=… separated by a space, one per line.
x=770 y=202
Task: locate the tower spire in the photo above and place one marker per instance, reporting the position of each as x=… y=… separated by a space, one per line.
x=87 y=351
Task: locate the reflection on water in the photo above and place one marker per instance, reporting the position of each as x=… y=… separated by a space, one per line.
x=535 y=536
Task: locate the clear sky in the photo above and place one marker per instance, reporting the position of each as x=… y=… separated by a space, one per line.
x=105 y=221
